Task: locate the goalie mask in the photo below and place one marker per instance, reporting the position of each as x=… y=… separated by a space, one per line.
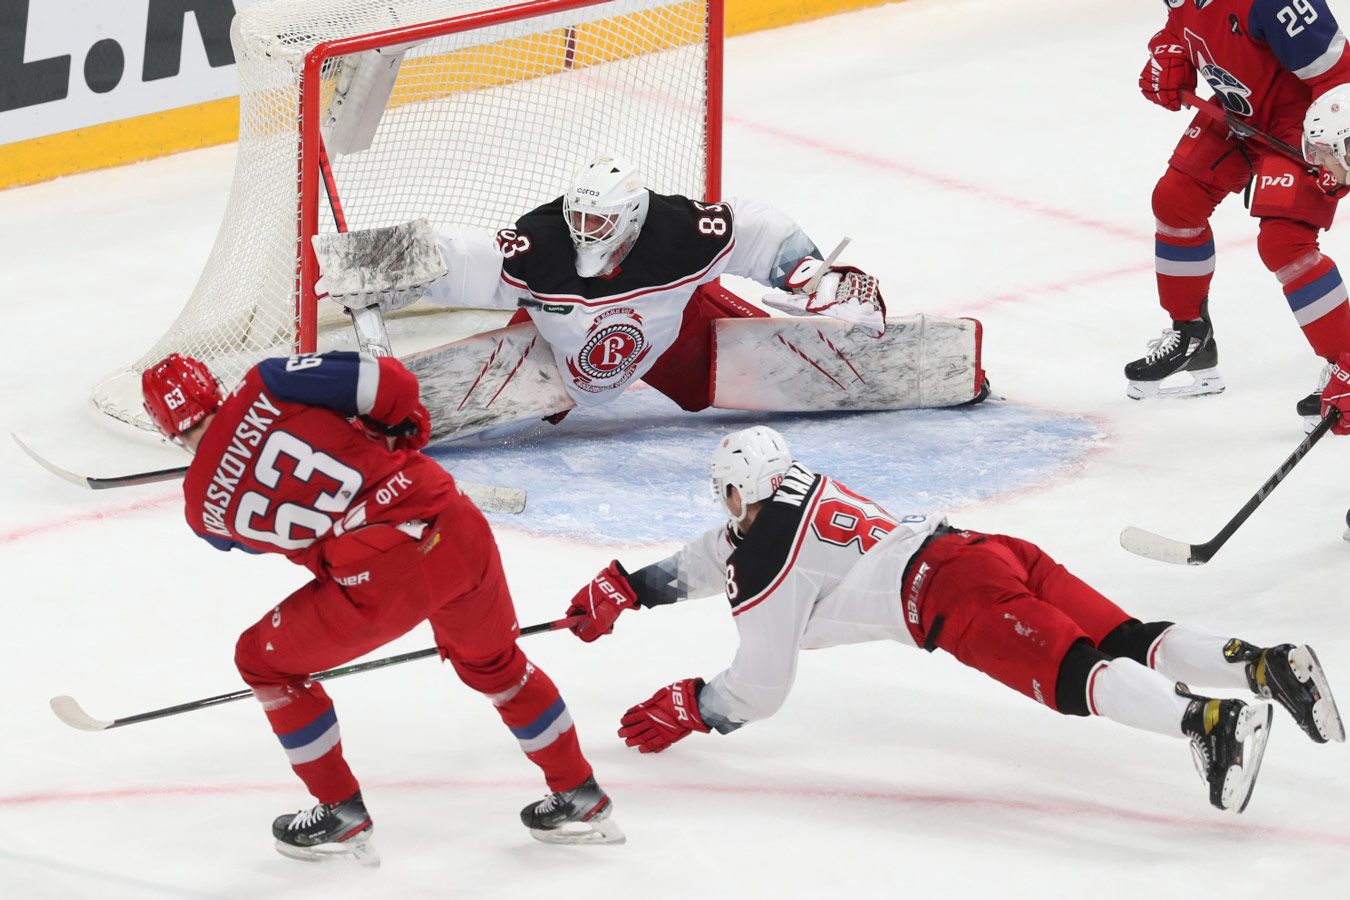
x=1326 y=129
x=754 y=462
x=179 y=392
x=605 y=208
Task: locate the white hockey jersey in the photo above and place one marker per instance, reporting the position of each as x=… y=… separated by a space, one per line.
x=820 y=566
x=606 y=333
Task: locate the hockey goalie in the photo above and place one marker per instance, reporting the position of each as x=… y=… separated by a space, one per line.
x=613 y=283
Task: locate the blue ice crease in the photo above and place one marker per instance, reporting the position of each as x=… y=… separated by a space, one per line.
x=637 y=470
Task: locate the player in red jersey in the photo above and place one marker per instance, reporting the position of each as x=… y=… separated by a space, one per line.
x=1266 y=60
x=807 y=563
x=315 y=457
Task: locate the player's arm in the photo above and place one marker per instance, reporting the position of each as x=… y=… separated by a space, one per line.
x=773 y=250
x=378 y=390
x=473 y=261
x=759 y=679
x=1305 y=37
x=695 y=570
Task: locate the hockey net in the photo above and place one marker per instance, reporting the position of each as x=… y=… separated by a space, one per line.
x=463 y=112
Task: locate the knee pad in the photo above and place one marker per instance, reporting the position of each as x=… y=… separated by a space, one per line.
x=1287 y=247
x=249 y=660
x=1182 y=203
x=494 y=675
x=1071 y=684
x=1132 y=640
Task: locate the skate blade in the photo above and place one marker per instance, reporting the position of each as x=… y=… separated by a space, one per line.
x=1254 y=731
x=1326 y=716
x=1202 y=382
x=605 y=831
x=357 y=850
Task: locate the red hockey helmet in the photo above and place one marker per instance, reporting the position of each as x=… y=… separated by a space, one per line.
x=179 y=392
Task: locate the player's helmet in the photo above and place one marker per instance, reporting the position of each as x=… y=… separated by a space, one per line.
x=1326 y=128
x=754 y=461
x=605 y=208
x=178 y=392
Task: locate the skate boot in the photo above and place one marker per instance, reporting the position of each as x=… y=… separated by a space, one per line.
x=1291 y=675
x=578 y=816
x=1185 y=349
x=328 y=831
x=1228 y=738
x=1310 y=407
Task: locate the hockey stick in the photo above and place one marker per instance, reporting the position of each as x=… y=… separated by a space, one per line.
x=1155 y=546
x=487 y=497
x=1244 y=131
x=68 y=709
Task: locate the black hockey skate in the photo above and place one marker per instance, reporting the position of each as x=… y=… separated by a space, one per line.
x=1292 y=676
x=1187 y=348
x=328 y=831
x=1228 y=739
x=578 y=816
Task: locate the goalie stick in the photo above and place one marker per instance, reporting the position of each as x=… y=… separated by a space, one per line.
x=487 y=497
x=68 y=709
x=1155 y=546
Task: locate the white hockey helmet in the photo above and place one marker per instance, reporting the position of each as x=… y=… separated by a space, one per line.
x=1326 y=129
x=754 y=461
x=605 y=208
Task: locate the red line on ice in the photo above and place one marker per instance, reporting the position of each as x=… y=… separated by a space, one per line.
x=18 y=534
x=1055 y=808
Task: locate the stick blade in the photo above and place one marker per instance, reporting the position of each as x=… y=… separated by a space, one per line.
x=64 y=474
x=68 y=710
x=1155 y=546
x=495 y=498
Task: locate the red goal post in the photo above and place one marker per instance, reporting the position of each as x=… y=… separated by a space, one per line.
x=463 y=112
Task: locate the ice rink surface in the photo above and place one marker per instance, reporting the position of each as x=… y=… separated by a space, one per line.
x=989 y=158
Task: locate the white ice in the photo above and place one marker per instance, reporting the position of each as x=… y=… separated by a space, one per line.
x=988 y=157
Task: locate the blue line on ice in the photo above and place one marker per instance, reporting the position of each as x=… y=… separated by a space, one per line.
x=636 y=470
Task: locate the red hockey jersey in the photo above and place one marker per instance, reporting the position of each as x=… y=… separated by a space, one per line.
x=1265 y=59
x=281 y=466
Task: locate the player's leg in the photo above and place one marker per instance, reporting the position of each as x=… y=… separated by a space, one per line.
x=1292 y=209
x=981 y=604
x=1204 y=169
x=1288 y=673
x=684 y=371
x=322 y=625
x=476 y=628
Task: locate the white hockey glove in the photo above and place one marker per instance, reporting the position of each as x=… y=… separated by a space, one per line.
x=845 y=293
x=386 y=267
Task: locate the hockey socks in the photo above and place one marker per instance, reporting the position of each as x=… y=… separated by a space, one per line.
x=303 y=719
x=1317 y=298
x=529 y=704
x=1124 y=691
x=1184 y=262
x=1187 y=654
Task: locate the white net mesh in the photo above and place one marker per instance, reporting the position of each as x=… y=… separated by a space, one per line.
x=482 y=124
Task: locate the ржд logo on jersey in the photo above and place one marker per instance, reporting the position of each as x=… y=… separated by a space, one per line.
x=613 y=349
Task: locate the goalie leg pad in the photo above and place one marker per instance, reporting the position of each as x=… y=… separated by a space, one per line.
x=490 y=379
x=816 y=364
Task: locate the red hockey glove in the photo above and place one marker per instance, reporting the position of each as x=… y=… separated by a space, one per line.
x=669 y=715
x=601 y=601
x=1168 y=72
x=1336 y=395
x=410 y=434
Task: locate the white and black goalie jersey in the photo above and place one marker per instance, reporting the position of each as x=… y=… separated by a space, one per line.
x=607 y=332
x=820 y=566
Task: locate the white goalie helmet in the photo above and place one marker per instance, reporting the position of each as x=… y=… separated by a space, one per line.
x=754 y=461
x=1326 y=129
x=605 y=208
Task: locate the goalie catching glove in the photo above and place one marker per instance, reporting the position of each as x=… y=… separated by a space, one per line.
x=845 y=293
x=670 y=715
x=600 y=603
x=386 y=267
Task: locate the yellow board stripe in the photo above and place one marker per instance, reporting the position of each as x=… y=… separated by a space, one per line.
x=217 y=122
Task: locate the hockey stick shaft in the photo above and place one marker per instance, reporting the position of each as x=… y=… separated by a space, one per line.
x=1245 y=131
x=70 y=712
x=1153 y=546
x=1309 y=441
